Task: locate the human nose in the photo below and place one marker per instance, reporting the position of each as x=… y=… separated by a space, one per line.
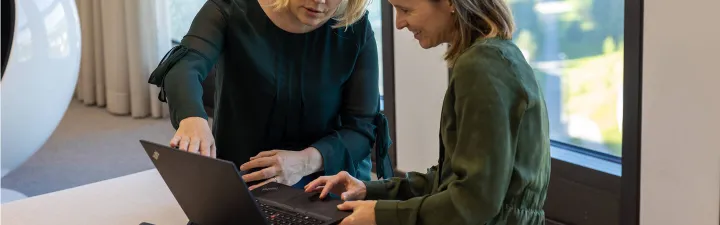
x=400 y=22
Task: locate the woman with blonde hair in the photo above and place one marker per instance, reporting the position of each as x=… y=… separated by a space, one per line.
x=494 y=157
x=297 y=89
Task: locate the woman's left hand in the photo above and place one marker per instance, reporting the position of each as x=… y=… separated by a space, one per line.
x=282 y=166
x=363 y=212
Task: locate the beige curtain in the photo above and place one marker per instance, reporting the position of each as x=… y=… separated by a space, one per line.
x=122 y=42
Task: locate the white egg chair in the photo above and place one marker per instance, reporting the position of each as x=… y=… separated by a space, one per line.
x=40 y=63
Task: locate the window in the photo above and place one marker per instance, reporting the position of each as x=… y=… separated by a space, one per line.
x=587 y=58
x=375 y=16
x=576 y=48
x=182 y=13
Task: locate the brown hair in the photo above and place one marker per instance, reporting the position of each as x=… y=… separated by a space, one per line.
x=349 y=11
x=478 y=19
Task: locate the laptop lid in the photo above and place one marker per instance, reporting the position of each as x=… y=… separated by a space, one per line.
x=209 y=191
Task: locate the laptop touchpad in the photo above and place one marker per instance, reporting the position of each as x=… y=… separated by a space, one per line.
x=311 y=202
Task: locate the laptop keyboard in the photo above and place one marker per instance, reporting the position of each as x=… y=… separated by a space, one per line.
x=278 y=216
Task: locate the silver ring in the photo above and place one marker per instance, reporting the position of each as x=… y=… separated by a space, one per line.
x=275 y=179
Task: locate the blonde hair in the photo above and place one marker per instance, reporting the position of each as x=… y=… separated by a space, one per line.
x=478 y=19
x=349 y=11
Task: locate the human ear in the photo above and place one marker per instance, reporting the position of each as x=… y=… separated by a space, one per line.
x=450 y=5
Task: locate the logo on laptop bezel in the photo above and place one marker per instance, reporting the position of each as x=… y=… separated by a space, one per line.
x=156 y=155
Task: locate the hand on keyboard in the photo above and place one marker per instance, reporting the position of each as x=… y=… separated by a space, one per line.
x=342 y=184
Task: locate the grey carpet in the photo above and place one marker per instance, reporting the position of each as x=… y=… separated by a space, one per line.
x=89 y=145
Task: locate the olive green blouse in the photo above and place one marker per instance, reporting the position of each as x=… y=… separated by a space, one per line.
x=494 y=157
x=280 y=90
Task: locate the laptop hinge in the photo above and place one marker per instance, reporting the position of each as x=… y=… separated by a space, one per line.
x=286 y=207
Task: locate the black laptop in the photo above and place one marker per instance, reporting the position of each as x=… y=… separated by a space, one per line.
x=212 y=192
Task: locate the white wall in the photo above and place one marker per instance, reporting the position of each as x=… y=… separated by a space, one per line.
x=680 y=168
x=421 y=79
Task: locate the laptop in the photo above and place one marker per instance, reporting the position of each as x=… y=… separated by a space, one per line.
x=212 y=192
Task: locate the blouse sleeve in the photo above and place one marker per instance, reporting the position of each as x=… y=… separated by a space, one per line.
x=181 y=72
x=414 y=184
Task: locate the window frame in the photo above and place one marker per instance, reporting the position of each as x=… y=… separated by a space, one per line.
x=632 y=122
x=388 y=67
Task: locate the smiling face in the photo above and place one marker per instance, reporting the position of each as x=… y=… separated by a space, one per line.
x=431 y=21
x=313 y=13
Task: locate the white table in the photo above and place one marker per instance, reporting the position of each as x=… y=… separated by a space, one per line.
x=127 y=200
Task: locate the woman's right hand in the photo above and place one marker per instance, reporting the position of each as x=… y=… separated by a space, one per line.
x=342 y=184
x=194 y=135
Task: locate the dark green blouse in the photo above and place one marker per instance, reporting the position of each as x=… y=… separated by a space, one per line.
x=494 y=157
x=280 y=90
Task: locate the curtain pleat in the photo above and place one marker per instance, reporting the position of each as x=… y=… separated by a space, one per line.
x=157 y=44
x=97 y=44
x=137 y=59
x=123 y=41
